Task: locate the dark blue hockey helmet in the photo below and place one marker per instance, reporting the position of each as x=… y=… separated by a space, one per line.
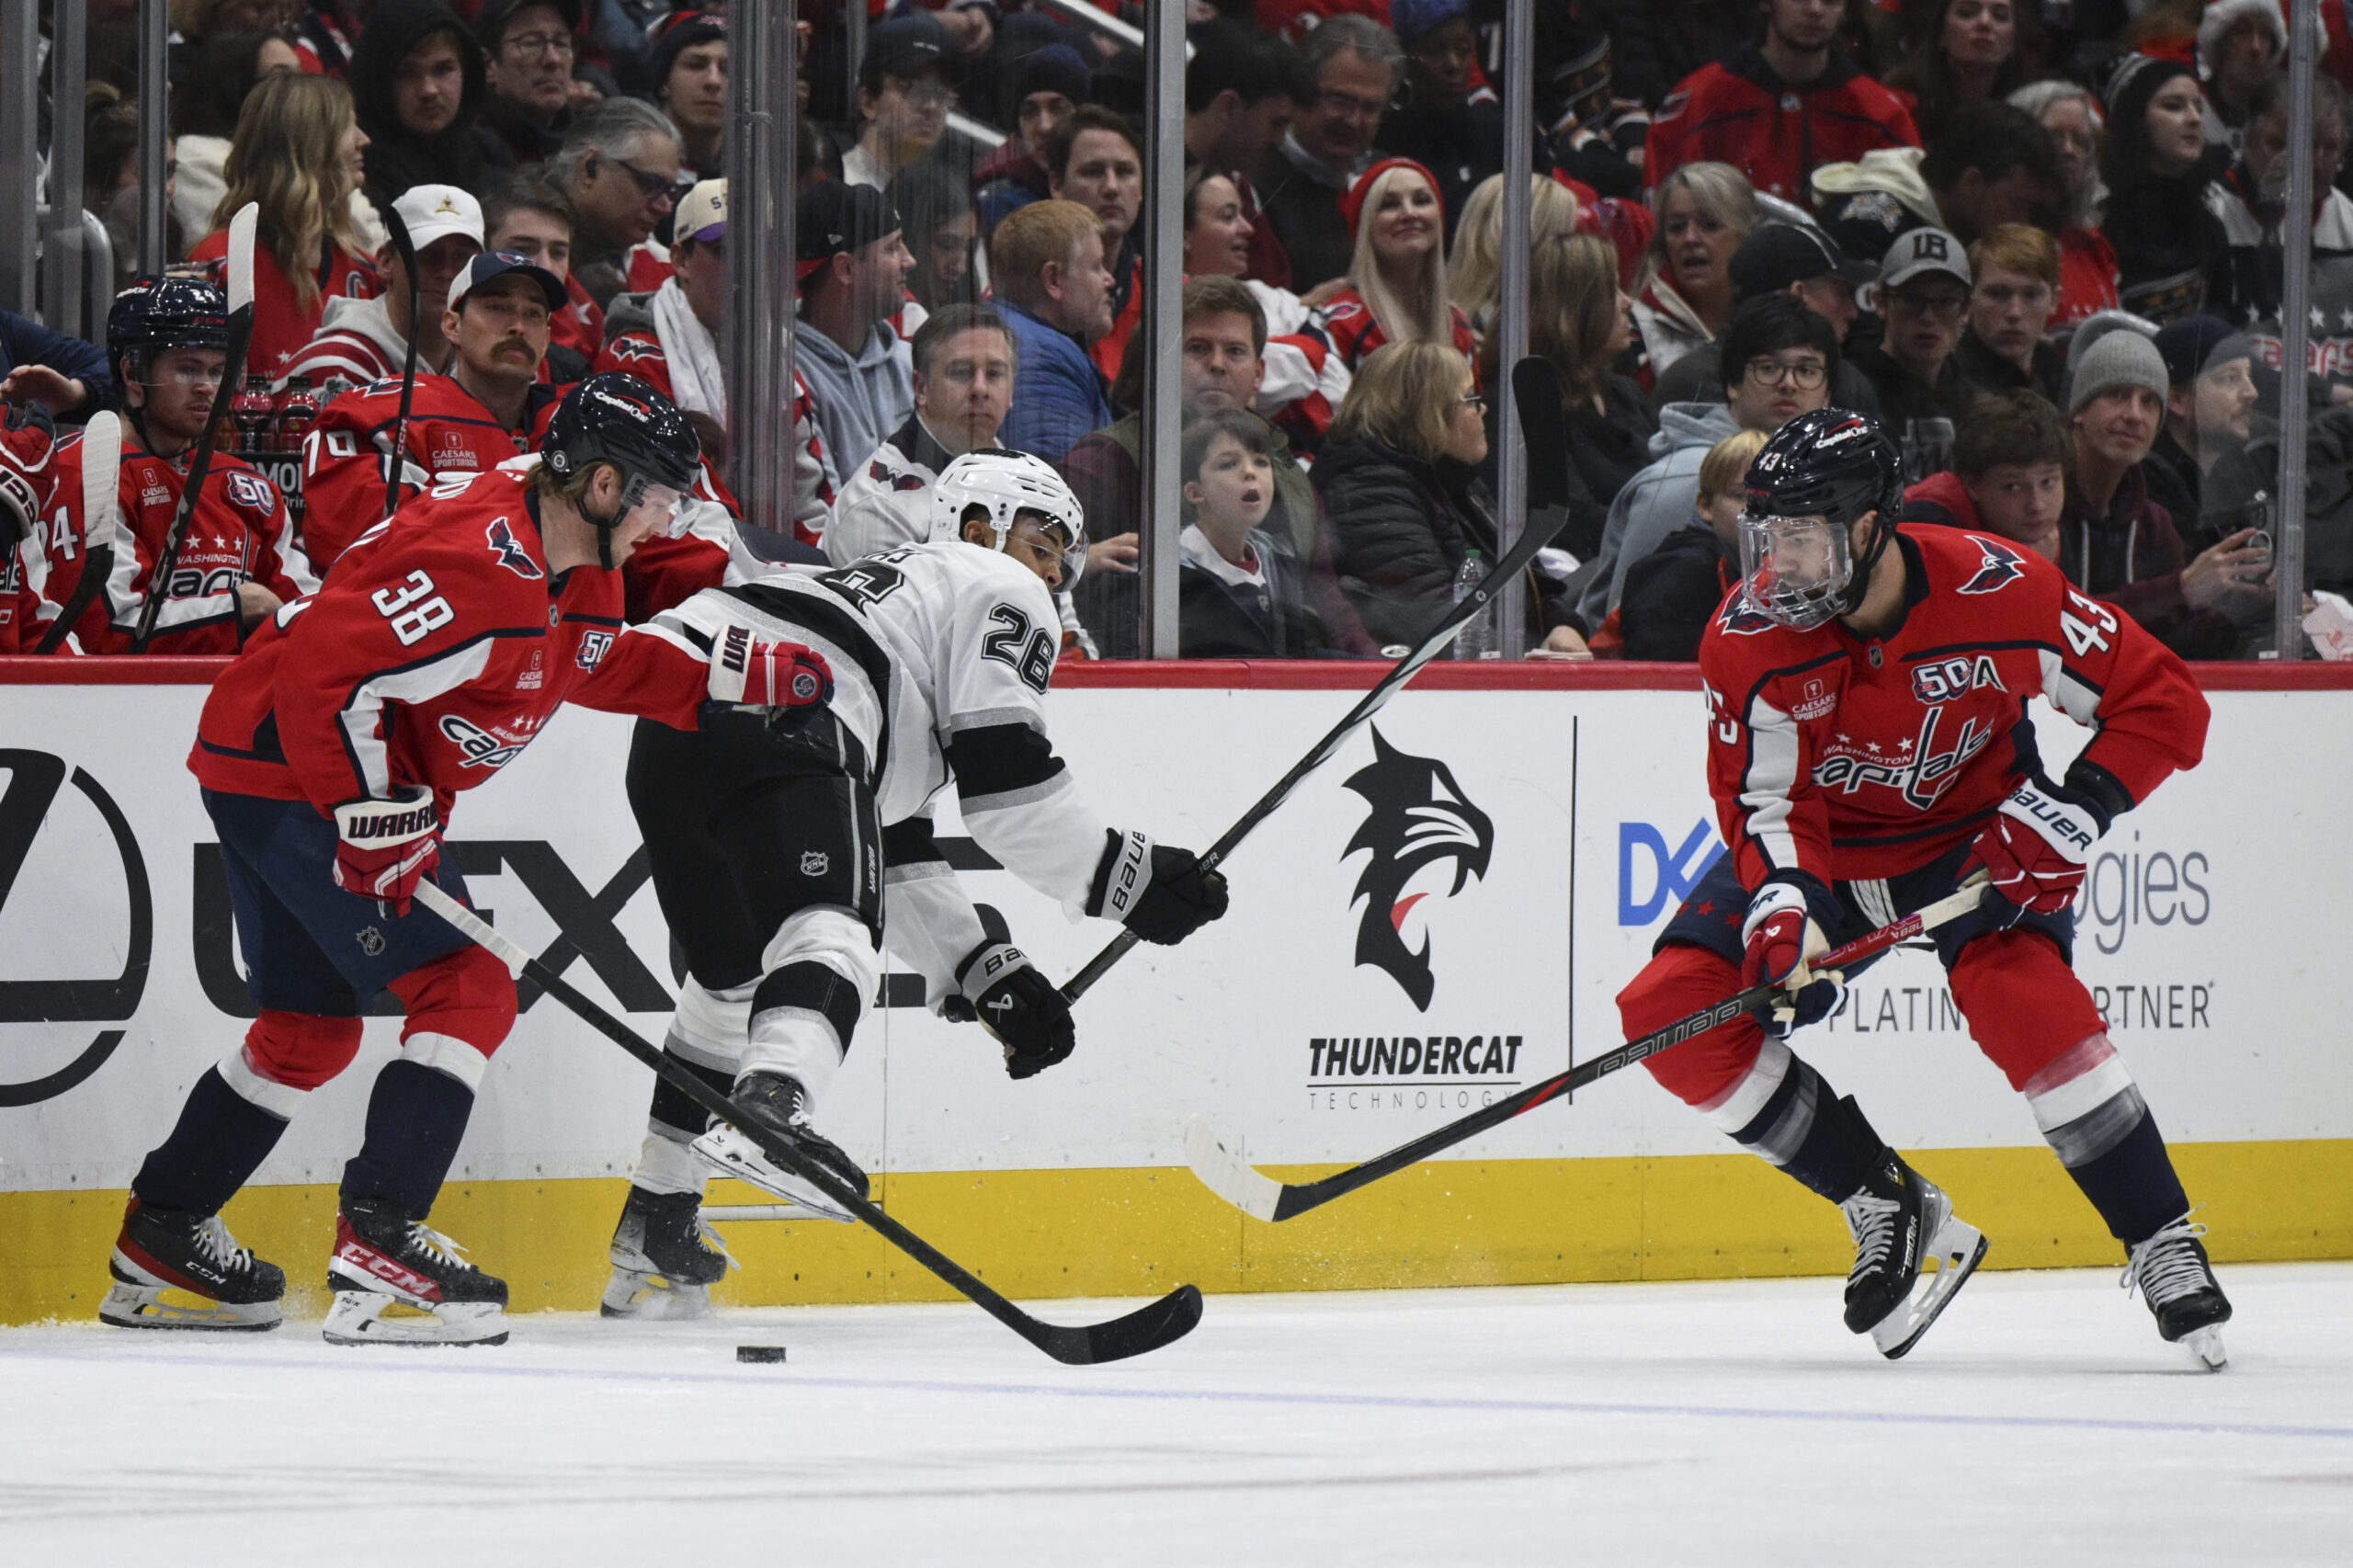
x=1819 y=475
x=614 y=417
x=170 y=310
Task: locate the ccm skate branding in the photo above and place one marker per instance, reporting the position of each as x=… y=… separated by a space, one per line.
x=1419 y=817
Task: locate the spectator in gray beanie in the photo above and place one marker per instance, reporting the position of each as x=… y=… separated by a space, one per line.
x=2116 y=544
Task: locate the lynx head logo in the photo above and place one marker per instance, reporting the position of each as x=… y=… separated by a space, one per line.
x=1419 y=817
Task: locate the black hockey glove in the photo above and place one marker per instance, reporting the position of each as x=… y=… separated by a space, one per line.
x=1159 y=892
x=1017 y=1004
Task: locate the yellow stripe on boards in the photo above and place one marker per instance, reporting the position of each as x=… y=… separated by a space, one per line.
x=1123 y=1233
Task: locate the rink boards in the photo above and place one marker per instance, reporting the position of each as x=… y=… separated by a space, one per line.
x=1435 y=918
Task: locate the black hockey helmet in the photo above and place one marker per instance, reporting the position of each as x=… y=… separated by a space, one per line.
x=170 y=310
x=616 y=418
x=1818 y=476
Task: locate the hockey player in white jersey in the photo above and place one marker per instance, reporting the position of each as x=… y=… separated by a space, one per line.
x=779 y=854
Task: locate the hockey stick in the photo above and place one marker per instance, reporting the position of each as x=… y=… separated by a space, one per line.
x=1537 y=385
x=232 y=380
x=1147 y=1328
x=1259 y=1194
x=101 y=522
x=395 y=460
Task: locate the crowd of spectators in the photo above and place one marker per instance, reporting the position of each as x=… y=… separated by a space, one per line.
x=2042 y=244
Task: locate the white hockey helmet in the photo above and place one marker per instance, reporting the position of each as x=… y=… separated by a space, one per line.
x=1008 y=482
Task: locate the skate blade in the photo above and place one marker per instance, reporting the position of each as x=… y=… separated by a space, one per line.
x=650 y=1297
x=164 y=1306
x=2206 y=1344
x=1960 y=1248
x=729 y=1152
x=370 y=1317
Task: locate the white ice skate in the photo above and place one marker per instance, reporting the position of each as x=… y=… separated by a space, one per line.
x=1895 y=1215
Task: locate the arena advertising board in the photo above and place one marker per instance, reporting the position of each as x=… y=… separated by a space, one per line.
x=1443 y=913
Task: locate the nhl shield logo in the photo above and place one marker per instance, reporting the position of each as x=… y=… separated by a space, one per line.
x=371 y=942
x=815 y=862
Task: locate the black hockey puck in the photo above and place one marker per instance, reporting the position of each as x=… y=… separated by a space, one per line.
x=759 y=1352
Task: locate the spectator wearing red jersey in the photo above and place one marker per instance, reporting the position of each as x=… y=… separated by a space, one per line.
x=204 y=117
x=619 y=171
x=28 y=479
x=1776 y=110
x=1353 y=62
x=1092 y=158
x=2087 y=261
x=1683 y=294
x=1397 y=290
x=668 y=336
x=531 y=218
x=298 y=155
x=361 y=341
x=2008 y=475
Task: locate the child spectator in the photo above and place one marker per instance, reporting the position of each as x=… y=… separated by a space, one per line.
x=1238 y=590
x=2008 y=475
x=1674 y=592
x=298 y=155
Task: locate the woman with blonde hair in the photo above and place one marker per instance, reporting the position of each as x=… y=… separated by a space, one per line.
x=297 y=154
x=1396 y=289
x=1400 y=489
x=1474 y=267
x=1684 y=295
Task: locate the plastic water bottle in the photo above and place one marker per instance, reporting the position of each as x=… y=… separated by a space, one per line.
x=1477 y=639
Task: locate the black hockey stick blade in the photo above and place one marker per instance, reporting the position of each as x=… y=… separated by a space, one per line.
x=394 y=460
x=1539 y=532
x=1262 y=1197
x=199 y=462
x=1538 y=396
x=1147 y=1328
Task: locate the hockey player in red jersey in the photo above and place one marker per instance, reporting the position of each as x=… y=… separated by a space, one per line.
x=329 y=755
x=168 y=339
x=1867 y=750
x=28 y=476
x=489 y=408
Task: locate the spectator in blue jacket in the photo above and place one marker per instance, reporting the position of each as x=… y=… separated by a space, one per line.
x=63 y=374
x=1053 y=291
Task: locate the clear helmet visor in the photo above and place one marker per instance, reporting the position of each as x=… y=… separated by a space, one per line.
x=668 y=507
x=1054 y=534
x=1795 y=570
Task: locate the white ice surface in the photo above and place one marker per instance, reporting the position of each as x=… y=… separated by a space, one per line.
x=2042 y=1422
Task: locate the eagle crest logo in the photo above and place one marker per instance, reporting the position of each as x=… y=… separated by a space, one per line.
x=510 y=551
x=1419 y=817
x=1999 y=568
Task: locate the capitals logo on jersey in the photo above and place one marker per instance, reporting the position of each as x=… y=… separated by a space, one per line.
x=510 y=552
x=1739 y=619
x=1419 y=818
x=2000 y=567
x=482 y=748
x=630 y=345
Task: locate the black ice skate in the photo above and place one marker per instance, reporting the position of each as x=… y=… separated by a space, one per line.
x=2171 y=1272
x=664 y=1258
x=1912 y=1252
x=398 y=1282
x=779 y=1106
x=176 y=1270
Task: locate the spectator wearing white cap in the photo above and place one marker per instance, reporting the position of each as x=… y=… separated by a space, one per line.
x=1922 y=295
x=2116 y=544
x=667 y=337
x=359 y=341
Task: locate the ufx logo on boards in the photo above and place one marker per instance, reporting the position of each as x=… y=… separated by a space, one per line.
x=1419 y=817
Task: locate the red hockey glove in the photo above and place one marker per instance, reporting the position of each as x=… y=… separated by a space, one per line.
x=2035 y=848
x=1776 y=934
x=768 y=675
x=386 y=847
